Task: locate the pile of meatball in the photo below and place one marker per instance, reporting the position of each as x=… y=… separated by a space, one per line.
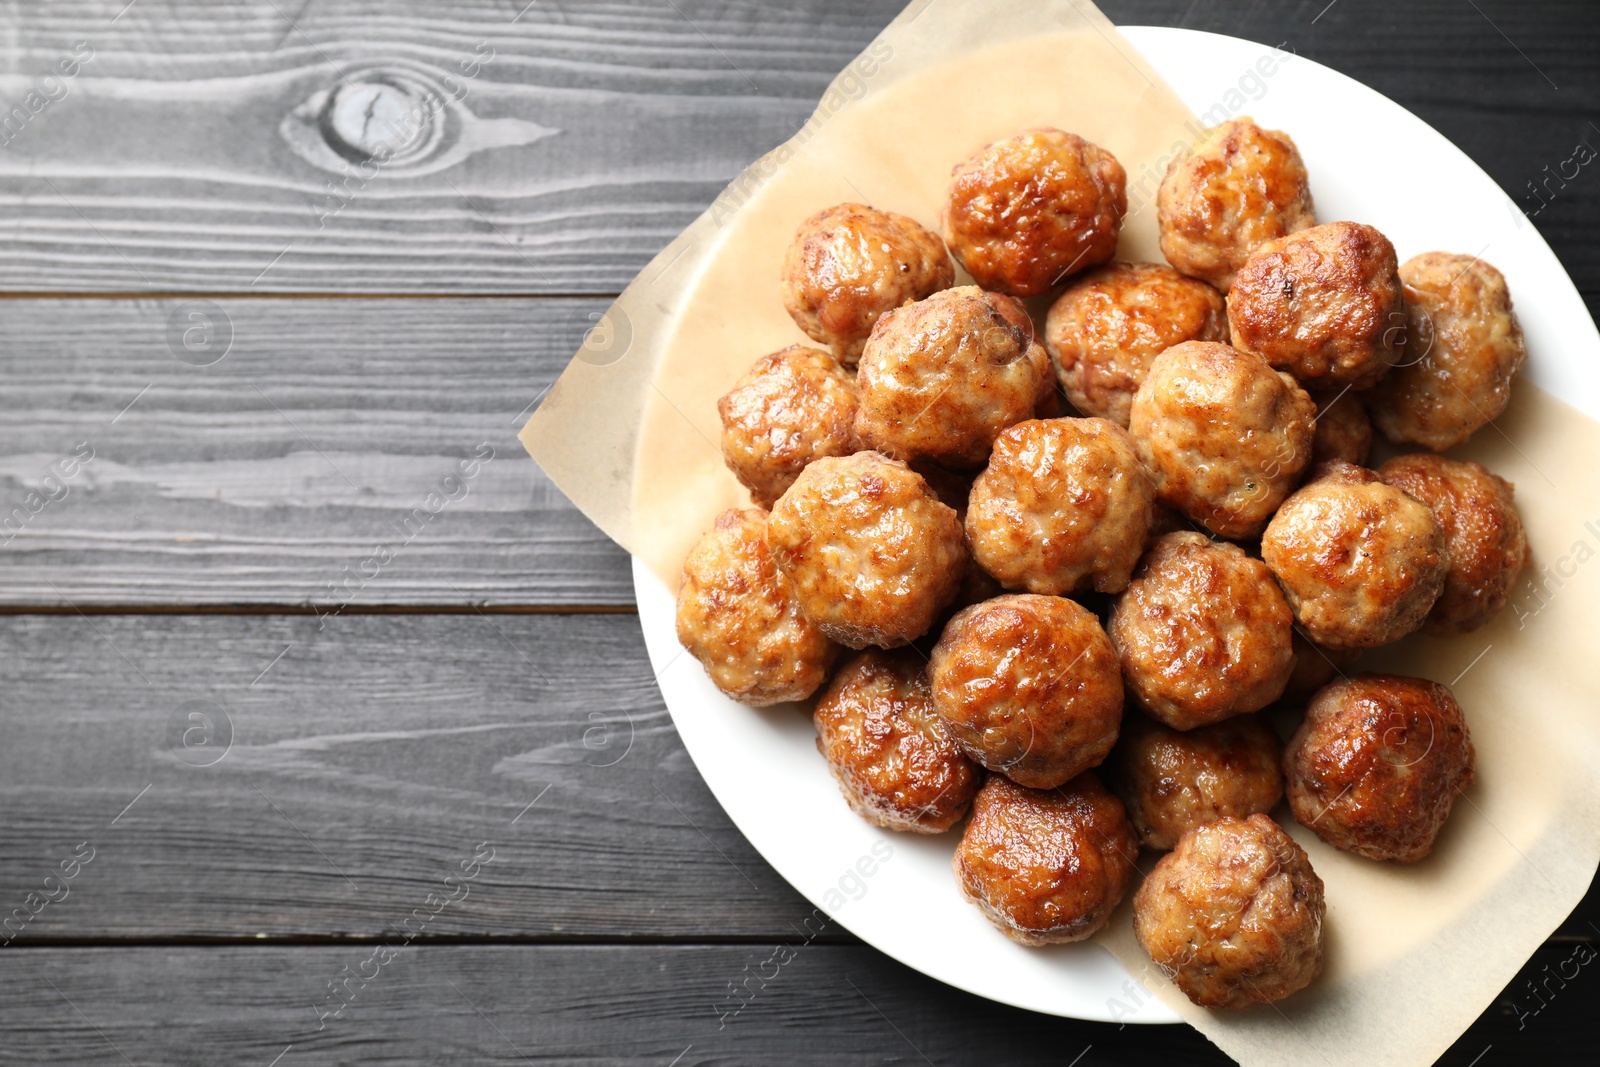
x=1064 y=609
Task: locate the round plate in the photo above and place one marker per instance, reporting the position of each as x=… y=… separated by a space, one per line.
x=1369 y=160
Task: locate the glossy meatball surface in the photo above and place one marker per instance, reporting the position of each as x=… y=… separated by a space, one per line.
x=1030 y=687
x=1224 y=435
x=740 y=617
x=889 y=750
x=1046 y=866
x=850 y=264
x=1323 y=304
x=873 y=555
x=1360 y=562
x=1173 y=781
x=1462 y=347
x=1238 y=187
x=1063 y=504
x=790 y=408
x=1488 y=546
x=1233 y=915
x=1375 y=766
x=1343 y=431
x=1111 y=323
x=1203 y=632
x=941 y=378
x=1031 y=209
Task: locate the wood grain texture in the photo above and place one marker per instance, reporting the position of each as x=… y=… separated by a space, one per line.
x=279 y=473
x=651 y=1006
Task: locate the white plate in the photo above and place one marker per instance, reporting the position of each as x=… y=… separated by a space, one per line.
x=1370 y=160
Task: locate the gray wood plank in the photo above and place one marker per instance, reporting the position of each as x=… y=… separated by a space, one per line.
x=275 y=474
x=190 y=150
x=369 y=759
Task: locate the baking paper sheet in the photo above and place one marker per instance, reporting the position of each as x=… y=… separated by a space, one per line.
x=630 y=432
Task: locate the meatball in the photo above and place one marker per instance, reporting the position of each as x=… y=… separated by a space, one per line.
x=1062 y=505
x=873 y=555
x=790 y=408
x=1172 y=781
x=1203 y=632
x=1014 y=311
x=1360 y=561
x=1224 y=435
x=1323 y=304
x=1343 y=431
x=1110 y=324
x=1376 y=764
x=941 y=378
x=1030 y=209
x=850 y=264
x=1046 y=866
x=739 y=616
x=889 y=750
x=1462 y=346
x=1233 y=915
x=1481 y=527
x=1314 y=667
x=954 y=489
x=1238 y=187
x=1030 y=687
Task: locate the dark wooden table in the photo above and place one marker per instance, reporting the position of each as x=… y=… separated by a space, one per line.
x=329 y=735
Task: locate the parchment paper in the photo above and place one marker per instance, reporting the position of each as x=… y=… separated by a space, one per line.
x=630 y=431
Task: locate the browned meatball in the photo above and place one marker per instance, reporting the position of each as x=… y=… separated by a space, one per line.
x=1376 y=764
x=954 y=488
x=1046 y=866
x=1173 y=781
x=1360 y=561
x=1064 y=504
x=790 y=408
x=941 y=378
x=889 y=750
x=1203 y=632
x=1233 y=915
x=740 y=617
x=1238 y=187
x=1314 y=667
x=1030 y=209
x=1030 y=687
x=1110 y=324
x=1323 y=304
x=1224 y=435
x=1462 y=347
x=1343 y=431
x=850 y=264
x=873 y=554
x=1488 y=547
x=1014 y=311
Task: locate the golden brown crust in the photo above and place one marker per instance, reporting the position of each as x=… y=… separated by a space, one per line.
x=1030 y=209
x=1488 y=547
x=1046 y=866
x=1323 y=304
x=790 y=408
x=941 y=378
x=1224 y=435
x=1462 y=348
x=1203 y=632
x=1233 y=915
x=739 y=616
x=1172 y=781
x=1112 y=322
x=850 y=264
x=1343 y=431
x=1030 y=687
x=1376 y=764
x=873 y=555
x=1238 y=187
x=1064 y=504
x=887 y=747
x=1360 y=562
